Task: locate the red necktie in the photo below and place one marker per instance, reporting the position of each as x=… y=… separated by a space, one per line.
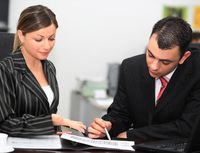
x=164 y=85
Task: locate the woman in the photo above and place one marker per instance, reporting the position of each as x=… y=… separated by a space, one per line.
x=28 y=86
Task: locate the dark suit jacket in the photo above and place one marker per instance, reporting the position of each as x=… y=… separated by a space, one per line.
x=24 y=108
x=134 y=103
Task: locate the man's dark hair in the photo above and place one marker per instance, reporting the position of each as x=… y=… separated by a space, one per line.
x=171 y=32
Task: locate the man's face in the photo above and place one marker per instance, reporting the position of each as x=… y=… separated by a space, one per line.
x=161 y=62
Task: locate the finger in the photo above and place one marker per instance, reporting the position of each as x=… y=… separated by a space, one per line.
x=81 y=130
x=100 y=122
x=108 y=125
x=94 y=136
x=83 y=126
x=94 y=131
x=97 y=129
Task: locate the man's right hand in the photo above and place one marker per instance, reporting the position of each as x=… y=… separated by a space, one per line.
x=97 y=128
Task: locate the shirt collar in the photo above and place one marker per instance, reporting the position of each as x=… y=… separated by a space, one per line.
x=168 y=76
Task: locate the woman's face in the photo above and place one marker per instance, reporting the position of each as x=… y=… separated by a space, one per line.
x=38 y=44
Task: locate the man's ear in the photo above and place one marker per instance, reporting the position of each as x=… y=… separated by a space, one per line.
x=184 y=57
x=20 y=36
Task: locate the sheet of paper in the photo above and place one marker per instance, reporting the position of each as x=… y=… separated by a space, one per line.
x=36 y=142
x=110 y=144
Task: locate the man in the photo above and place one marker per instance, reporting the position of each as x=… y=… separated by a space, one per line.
x=139 y=111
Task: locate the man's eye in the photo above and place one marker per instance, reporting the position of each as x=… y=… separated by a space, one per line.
x=38 y=40
x=150 y=55
x=165 y=62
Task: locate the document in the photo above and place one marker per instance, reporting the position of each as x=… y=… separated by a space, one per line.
x=109 y=144
x=36 y=142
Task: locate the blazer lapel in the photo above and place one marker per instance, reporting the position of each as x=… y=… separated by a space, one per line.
x=28 y=79
x=51 y=78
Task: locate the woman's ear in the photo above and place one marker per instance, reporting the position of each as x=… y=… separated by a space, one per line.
x=184 y=57
x=20 y=36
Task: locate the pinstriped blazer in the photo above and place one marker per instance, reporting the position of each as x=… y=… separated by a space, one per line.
x=24 y=108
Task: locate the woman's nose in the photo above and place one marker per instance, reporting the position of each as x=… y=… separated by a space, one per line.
x=46 y=44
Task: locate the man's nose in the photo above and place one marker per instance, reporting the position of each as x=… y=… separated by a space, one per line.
x=155 y=65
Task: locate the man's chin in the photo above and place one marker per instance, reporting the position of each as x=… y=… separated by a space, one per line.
x=153 y=75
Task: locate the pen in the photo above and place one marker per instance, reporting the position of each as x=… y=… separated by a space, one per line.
x=107 y=134
x=85 y=133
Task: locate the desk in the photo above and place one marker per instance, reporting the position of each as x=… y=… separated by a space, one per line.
x=69 y=146
x=74 y=151
x=71 y=151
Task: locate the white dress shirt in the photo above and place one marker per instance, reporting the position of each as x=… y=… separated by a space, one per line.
x=49 y=93
x=158 y=83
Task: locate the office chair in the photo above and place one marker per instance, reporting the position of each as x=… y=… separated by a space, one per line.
x=6 y=44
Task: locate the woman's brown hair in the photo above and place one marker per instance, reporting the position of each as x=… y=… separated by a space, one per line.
x=32 y=19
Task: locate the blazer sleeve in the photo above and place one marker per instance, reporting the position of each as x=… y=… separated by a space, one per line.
x=12 y=124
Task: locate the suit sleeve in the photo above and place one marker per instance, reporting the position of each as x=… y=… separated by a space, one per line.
x=12 y=124
x=117 y=112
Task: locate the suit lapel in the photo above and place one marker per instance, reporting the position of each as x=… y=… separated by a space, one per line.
x=148 y=88
x=176 y=83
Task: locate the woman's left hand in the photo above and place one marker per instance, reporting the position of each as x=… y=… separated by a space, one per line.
x=59 y=120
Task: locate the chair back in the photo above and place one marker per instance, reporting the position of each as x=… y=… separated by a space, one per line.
x=6 y=44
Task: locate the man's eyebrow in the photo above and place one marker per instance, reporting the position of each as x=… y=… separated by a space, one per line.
x=165 y=60
x=150 y=52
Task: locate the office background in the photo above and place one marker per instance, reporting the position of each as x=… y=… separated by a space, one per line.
x=94 y=33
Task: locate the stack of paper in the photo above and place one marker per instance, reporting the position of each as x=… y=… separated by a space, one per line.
x=109 y=144
x=36 y=142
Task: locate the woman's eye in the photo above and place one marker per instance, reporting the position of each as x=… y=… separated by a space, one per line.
x=51 y=39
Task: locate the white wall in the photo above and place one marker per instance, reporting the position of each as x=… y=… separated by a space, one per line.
x=93 y=33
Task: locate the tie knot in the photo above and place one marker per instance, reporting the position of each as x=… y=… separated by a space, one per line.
x=163 y=81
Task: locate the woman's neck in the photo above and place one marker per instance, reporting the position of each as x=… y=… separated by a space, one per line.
x=31 y=62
